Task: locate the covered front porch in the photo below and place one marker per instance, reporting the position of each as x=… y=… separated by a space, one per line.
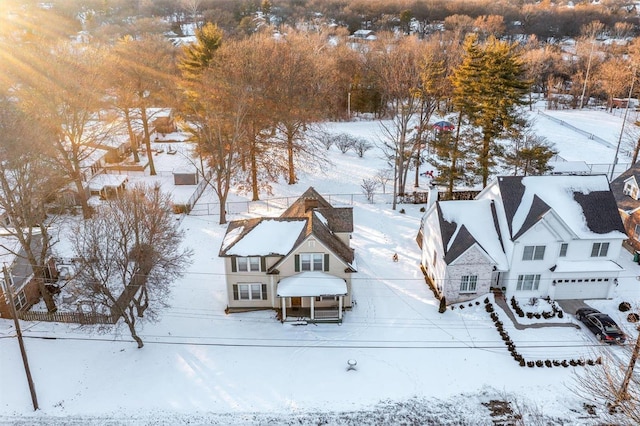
x=312 y=296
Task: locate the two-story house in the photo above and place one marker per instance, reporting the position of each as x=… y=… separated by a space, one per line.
x=533 y=236
x=299 y=263
x=626 y=190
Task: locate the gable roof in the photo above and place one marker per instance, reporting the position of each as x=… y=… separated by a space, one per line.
x=340 y=219
x=585 y=203
x=262 y=236
x=469 y=222
x=309 y=215
x=625 y=202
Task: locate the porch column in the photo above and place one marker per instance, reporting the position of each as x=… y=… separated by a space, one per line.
x=313 y=307
x=272 y=290
x=340 y=307
x=284 y=309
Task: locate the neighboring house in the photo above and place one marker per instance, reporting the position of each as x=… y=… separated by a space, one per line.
x=534 y=236
x=364 y=35
x=299 y=263
x=626 y=190
x=24 y=286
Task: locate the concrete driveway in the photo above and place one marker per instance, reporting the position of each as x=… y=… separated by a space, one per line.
x=571 y=306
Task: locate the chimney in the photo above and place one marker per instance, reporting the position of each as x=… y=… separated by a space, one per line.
x=310 y=203
x=433 y=195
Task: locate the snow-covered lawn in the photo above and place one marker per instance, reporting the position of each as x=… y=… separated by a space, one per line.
x=200 y=366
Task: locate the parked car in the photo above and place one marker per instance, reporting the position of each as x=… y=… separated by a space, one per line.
x=605 y=329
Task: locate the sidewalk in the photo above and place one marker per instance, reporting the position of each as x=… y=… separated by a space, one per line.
x=500 y=301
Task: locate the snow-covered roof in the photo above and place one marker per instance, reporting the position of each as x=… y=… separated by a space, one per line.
x=568 y=167
x=312 y=283
x=101 y=181
x=9 y=246
x=587 y=266
x=476 y=216
x=268 y=237
x=584 y=203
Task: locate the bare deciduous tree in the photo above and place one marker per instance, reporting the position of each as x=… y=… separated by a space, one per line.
x=601 y=385
x=64 y=94
x=369 y=188
x=383 y=177
x=27 y=181
x=129 y=254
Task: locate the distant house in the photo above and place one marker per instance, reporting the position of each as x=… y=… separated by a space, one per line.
x=364 y=35
x=535 y=236
x=299 y=263
x=568 y=168
x=626 y=190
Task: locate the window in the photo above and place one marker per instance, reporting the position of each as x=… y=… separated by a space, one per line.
x=468 y=283
x=248 y=264
x=435 y=258
x=533 y=253
x=20 y=301
x=563 y=250
x=636 y=232
x=528 y=282
x=599 y=249
x=311 y=261
x=250 y=291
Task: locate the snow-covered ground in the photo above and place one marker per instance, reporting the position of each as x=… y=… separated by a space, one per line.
x=414 y=365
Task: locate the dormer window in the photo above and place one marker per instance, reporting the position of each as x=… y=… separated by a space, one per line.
x=248 y=264
x=631 y=189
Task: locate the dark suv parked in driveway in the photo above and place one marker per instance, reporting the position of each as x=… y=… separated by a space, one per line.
x=605 y=329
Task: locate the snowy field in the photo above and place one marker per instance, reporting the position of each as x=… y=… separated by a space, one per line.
x=414 y=365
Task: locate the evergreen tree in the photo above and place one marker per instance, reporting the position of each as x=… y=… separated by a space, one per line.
x=197 y=56
x=529 y=155
x=488 y=89
x=451 y=156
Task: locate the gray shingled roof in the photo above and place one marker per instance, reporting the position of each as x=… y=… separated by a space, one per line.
x=538 y=209
x=600 y=211
x=598 y=206
x=625 y=202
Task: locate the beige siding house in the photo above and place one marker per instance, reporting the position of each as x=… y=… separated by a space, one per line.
x=299 y=264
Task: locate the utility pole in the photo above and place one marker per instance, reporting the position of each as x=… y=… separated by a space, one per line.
x=586 y=77
x=8 y=292
x=624 y=121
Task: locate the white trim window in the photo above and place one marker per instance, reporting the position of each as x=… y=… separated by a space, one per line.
x=636 y=232
x=563 y=249
x=20 y=300
x=248 y=264
x=250 y=291
x=533 y=253
x=528 y=282
x=599 y=249
x=468 y=283
x=311 y=261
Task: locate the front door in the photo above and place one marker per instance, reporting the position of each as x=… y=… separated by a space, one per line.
x=296 y=302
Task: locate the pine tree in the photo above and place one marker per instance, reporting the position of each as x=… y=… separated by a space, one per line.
x=529 y=155
x=197 y=56
x=488 y=89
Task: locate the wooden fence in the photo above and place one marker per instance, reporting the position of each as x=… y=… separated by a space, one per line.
x=68 y=317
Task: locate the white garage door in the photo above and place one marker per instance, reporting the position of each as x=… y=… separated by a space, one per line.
x=583 y=290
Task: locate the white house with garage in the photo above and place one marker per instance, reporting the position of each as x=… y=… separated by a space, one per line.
x=533 y=236
x=299 y=263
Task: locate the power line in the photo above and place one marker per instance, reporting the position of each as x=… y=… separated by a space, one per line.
x=315 y=345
